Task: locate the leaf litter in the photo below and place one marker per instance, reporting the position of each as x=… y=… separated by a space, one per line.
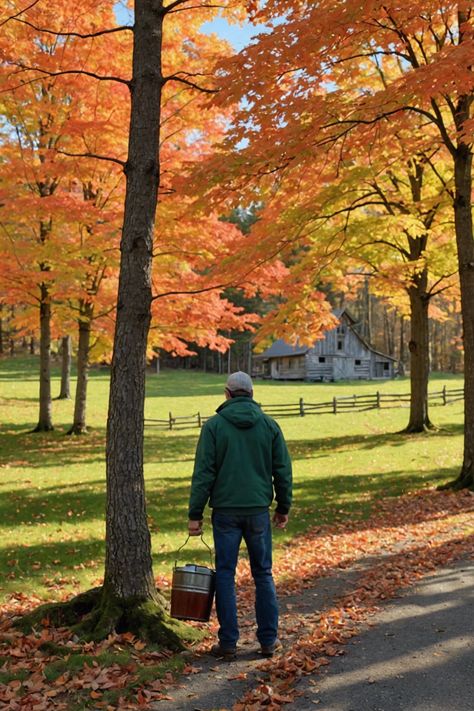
x=404 y=539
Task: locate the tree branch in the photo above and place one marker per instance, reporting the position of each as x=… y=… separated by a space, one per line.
x=171 y=6
x=13 y=17
x=191 y=291
x=369 y=55
x=432 y=291
x=192 y=7
x=175 y=77
x=93 y=155
x=63 y=72
x=74 y=34
x=442 y=128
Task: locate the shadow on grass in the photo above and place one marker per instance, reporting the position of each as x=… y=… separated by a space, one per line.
x=317 y=502
x=180 y=383
x=48 y=567
x=339 y=497
x=49 y=449
x=306 y=448
x=19 y=446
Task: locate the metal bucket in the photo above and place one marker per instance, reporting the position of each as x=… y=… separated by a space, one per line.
x=192 y=590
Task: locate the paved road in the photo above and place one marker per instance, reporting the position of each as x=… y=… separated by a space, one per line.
x=418 y=656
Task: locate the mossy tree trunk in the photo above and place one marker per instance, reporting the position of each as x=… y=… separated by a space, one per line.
x=129 y=592
x=128 y=599
x=128 y=567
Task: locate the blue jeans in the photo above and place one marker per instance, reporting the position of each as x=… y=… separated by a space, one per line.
x=229 y=529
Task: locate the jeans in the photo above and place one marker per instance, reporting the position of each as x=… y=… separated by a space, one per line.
x=228 y=530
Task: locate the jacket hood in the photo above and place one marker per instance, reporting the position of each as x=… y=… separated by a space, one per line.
x=242 y=412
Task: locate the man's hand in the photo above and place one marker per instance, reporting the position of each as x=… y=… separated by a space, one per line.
x=280 y=520
x=195 y=528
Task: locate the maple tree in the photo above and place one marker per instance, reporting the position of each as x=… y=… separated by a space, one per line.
x=128 y=596
x=39 y=204
x=313 y=99
x=394 y=223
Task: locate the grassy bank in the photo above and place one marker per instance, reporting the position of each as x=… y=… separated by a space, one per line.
x=52 y=503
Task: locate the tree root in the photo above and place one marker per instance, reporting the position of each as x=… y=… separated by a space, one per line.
x=77 y=430
x=465 y=480
x=41 y=428
x=418 y=429
x=96 y=613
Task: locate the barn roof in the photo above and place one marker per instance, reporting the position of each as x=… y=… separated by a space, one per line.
x=280 y=348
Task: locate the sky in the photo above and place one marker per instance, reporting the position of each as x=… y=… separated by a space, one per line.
x=239 y=36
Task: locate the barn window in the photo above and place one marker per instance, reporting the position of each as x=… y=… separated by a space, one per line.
x=290 y=363
x=385 y=366
x=358 y=361
x=322 y=359
x=340 y=344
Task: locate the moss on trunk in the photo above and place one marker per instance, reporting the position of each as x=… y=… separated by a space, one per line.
x=96 y=613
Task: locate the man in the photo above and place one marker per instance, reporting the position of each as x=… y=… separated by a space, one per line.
x=241 y=463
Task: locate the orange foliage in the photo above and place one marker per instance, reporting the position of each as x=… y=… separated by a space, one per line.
x=61 y=125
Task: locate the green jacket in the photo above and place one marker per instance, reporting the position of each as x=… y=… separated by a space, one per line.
x=241 y=461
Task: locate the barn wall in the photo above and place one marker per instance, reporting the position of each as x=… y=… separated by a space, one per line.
x=339 y=355
x=289 y=368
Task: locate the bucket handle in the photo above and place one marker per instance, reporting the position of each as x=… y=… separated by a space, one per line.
x=187 y=539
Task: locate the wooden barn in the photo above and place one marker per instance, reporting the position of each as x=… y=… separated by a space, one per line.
x=341 y=355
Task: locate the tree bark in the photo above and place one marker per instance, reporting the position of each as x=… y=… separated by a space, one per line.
x=419 y=354
x=401 y=356
x=65 y=391
x=128 y=564
x=79 y=422
x=465 y=250
x=45 y=423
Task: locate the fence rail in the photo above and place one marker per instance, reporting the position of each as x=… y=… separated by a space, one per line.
x=343 y=403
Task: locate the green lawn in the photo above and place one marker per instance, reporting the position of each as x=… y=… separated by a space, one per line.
x=52 y=485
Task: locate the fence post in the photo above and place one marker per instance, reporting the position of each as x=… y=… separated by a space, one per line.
x=171 y=420
x=301 y=407
x=378 y=399
x=199 y=420
x=334 y=405
x=444 y=395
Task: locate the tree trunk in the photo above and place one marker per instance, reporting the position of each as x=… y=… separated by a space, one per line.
x=45 y=419
x=12 y=332
x=465 y=250
x=79 y=421
x=128 y=564
x=401 y=356
x=128 y=599
x=65 y=391
x=419 y=354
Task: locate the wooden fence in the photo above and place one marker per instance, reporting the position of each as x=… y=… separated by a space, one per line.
x=343 y=403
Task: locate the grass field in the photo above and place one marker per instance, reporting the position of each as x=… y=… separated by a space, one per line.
x=53 y=485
